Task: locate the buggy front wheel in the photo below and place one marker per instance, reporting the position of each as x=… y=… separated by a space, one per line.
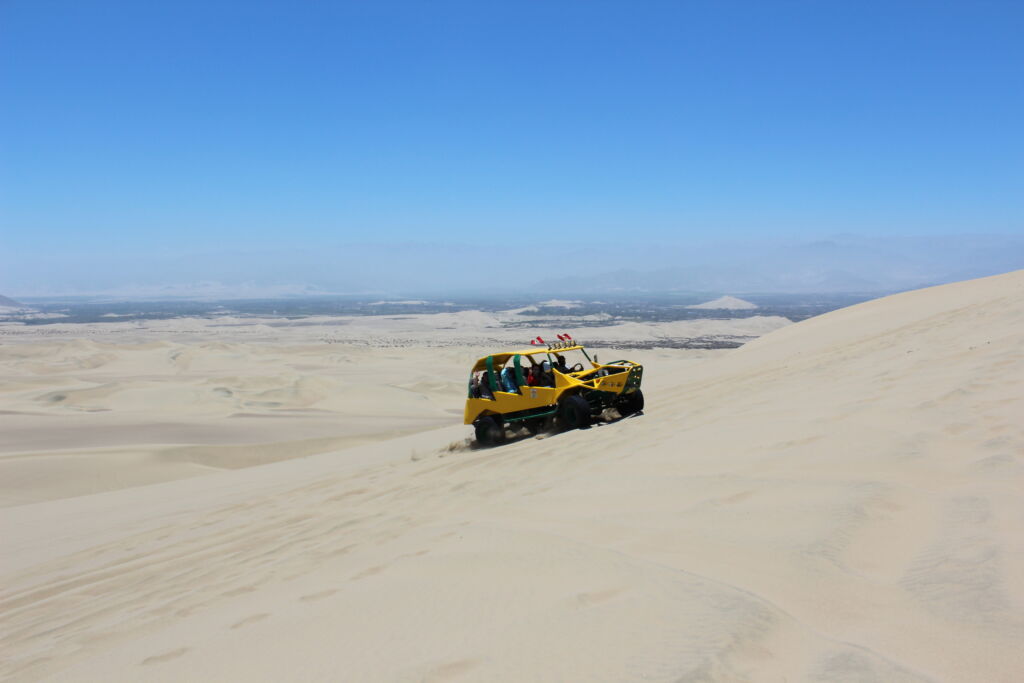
x=631 y=403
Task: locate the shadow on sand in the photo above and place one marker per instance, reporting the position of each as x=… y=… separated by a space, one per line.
x=521 y=433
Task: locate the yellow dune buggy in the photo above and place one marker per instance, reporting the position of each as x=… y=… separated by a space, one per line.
x=538 y=388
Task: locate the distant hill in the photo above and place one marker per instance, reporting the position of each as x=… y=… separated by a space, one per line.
x=726 y=303
x=10 y=303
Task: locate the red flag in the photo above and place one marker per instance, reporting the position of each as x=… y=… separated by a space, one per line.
x=567 y=336
x=540 y=340
x=533 y=342
x=561 y=338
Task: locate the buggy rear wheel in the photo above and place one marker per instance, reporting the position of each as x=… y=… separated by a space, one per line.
x=573 y=412
x=534 y=425
x=490 y=431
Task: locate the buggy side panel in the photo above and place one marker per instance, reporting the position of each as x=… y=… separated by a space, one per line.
x=504 y=402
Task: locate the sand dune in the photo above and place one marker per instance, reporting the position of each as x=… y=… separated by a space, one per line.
x=838 y=500
x=114 y=407
x=725 y=303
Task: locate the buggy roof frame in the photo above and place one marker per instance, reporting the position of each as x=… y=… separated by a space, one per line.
x=503 y=357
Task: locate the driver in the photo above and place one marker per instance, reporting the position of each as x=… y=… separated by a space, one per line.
x=540 y=373
x=560 y=364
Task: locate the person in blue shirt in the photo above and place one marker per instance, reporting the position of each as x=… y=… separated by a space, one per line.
x=508 y=380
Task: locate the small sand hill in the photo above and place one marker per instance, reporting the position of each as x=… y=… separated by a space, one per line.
x=839 y=500
x=729 y=303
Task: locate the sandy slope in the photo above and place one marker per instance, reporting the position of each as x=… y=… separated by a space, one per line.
x=839 y=500
x=84 y=416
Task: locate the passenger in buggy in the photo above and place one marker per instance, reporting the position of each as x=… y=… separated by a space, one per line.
x=508 y=380
x=547 y=378
x=481 y=387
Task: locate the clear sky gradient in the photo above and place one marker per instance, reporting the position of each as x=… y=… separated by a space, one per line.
x=137 y=133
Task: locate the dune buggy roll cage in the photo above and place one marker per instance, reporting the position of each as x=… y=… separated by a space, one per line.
x=487 y=364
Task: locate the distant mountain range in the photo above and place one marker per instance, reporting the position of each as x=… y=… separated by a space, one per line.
x=846 y=264
x=843 y=264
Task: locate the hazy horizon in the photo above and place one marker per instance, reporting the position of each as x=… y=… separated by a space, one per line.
x=844 y=263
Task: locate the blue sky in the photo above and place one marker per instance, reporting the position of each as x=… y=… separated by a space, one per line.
x=139 y=138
